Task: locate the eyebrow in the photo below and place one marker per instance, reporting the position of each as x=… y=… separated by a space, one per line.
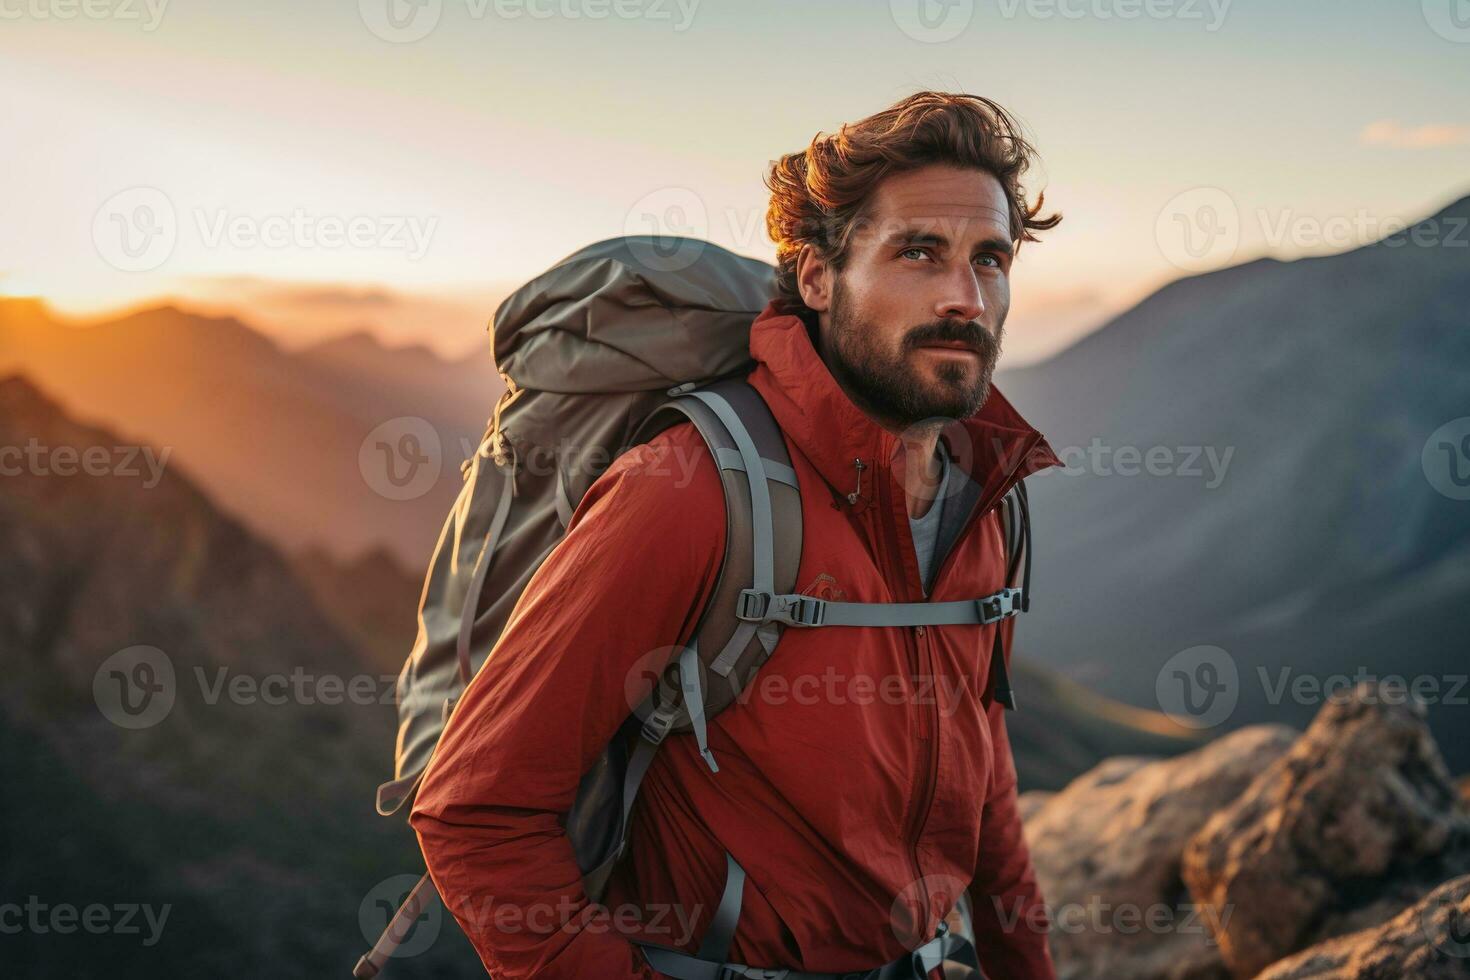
x=915 y=237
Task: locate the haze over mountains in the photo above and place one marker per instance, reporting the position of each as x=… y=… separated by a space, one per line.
x=273 y=436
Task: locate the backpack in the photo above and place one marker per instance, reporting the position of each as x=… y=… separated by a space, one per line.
x=611 y=346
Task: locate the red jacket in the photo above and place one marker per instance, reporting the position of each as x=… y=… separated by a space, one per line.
x=862 y=783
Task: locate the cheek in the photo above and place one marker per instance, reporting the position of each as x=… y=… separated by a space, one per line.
x=997 y=293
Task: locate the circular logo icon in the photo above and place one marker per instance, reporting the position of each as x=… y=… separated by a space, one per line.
x=1446 y=921
x=960 y=446
x=401 y=458
x=667 y=228
x=932 y=21
x=1199 y=229
x=415 y=932
x=1446 y=459
x=646 y=674
x=1450 y=19
x=134 y=688
x=401 y=21
x=1198 y=687
x=908 y=914
x=136 y=230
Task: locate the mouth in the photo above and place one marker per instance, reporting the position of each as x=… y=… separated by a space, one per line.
x=951 y=346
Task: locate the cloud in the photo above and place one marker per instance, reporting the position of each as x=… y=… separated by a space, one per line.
x=1390 y=132
x=450 y=319
x=304 y=294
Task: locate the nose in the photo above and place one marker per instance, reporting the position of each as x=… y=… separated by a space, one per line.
x=961 y=297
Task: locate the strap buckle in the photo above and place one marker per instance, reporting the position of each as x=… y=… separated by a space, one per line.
x=755 y=606
x=994 y=608
x=656 y=726
x=751 y=605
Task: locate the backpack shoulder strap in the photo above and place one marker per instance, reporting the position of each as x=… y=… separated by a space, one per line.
x=763 y=534
x=1015 y=535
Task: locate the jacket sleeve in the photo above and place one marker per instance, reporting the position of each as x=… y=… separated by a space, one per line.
x=1010 y=918
x=609 y=603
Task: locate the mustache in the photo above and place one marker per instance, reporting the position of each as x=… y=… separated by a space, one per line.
x=954 y=331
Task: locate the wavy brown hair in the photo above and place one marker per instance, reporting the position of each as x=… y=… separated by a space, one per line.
x=818 y=194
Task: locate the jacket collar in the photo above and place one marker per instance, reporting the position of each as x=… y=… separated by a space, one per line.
x=995 y=447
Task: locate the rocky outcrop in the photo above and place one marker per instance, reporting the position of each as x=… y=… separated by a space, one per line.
x=1340 y=853
x=1107 y=851
x=1358 y=818
x=1430 y=941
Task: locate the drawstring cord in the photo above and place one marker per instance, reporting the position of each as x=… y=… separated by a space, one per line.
x=852 y=498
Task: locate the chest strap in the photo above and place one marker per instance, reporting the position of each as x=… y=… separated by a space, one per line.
x=792 y=609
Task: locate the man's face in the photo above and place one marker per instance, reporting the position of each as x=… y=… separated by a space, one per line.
x=914 y=323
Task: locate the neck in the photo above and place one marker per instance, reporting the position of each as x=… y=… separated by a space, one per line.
x=920 y=467
x=921 y=472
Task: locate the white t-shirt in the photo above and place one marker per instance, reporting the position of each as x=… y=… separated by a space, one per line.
x=926 y=529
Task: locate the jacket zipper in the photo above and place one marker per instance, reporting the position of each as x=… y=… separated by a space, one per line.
x=924 y=792
x=920 y=660
x=926 y=729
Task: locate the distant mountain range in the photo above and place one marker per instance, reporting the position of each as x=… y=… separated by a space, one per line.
x=276 y=437
x=223 y=775
x=1315 y=546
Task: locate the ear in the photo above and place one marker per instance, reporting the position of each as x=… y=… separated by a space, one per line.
x=814 y=279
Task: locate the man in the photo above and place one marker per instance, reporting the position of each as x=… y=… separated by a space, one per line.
x=865 y=780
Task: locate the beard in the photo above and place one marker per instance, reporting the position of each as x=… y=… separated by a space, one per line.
x=891 y=386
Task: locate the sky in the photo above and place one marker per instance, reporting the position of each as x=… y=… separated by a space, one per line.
x=399 y=165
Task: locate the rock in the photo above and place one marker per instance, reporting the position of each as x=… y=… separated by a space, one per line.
x=1430 y=941
x=1358 y=818
x=1107 y=849
x=1028 y=803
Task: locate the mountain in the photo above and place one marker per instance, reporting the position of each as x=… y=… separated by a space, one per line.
x=1288 y=517
x=373 y=600
x=307 y=448
x=181 y=728
x=437 y=388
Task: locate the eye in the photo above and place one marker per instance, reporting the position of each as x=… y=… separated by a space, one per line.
x=995 y=262
x=915 y=248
